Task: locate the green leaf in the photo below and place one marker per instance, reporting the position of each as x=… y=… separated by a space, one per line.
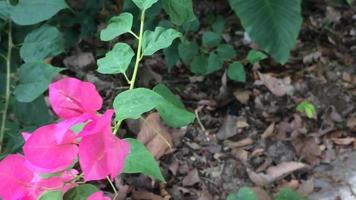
x=159 y=39
x=172 y=110
x=117 y=26
x=117 y=60
x=131 y=104
x=219 y=24
x=140 y=160
x=28 y=12
x=179 y=11
x=211 y=39
x=42 y=43
x=199 y=64
x=254 y=56
x=171 y=55
x=5 y=10
x=214 y=63
x=192 y=26
x=51 y=195
x=288 y=194
x=307 y=108
x=273 y=24
x=187 y=51
x=81 y=192
x=245 y=193
x=226 y=52
x=236 y=72
x=34 y=80
x=144 y=4
x=350 y=1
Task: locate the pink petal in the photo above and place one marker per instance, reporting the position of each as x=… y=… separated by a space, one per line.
x=98 y=196
x=26 y=135
x=15 y=178
x=71 y=97
x=44 y=155
x=106 y=159
x=98 y=125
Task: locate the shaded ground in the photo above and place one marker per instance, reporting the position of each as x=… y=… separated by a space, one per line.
x=247 y=129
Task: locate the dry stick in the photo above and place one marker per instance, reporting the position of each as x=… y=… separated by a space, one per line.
x=113 y=186
x=7 y=89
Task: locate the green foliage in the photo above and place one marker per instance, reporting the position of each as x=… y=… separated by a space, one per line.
x=28 y=12
x=187 y=51
x=158 y=39
x=254 y=56
x=117 y=60
x=81 y=192
x=307 y=108
x=51 y=195
x=288 y=194
x=236 y=72
x=273 y=24
x=226 y=52
x=244 y=193
x=117 y=26
x=144 y=4
x=350 y=1
x=179 y=11
x=140 y=160
x=211 y=39
x=42 y=43
x=5 y=10
x=34 y=80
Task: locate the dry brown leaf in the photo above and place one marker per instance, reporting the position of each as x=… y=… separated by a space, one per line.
x=261 y=194
x=351 y=123
x=191 y=178
x=308 y=149
x=145 y=195
x=229 y=128
x=293 y=184
x=238 y=144
x=155 y=135
x=242 y=96
x=275 y=173
x=307 y=187
x=269 y=131
x=343 y=141
x=278 y=87
x=79 y=60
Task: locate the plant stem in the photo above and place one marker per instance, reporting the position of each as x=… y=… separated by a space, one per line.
x=112 y=185
x=137 y=63
x=7 y=87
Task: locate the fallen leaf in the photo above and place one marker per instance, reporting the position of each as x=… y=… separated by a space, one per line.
x=191 y=178
x=229 y=128
x=242 y=122
x=332 y=15
x=238 y=144
x=343 y=141
x=306 y=187
x=351 y=123
x=155 y=135
x=275 y=173
x=268 y=132
x=308 y=149
x=242 y=96
x=278 y=87
x=79 y=60
x=145 y=195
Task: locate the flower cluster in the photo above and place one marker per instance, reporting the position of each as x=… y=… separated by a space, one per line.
x=51 y=151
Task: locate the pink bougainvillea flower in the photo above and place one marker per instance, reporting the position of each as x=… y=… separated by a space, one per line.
x=102 y=155
x=99 y=125
x=45 y=155
x=70 y=97
x=98 y=196
x=15 y=178
x=25 y=135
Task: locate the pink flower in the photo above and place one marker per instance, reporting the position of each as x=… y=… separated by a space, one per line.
x=15 y=178
x=71 y=97
x=99 y=124
x=45 y=155
x=98 y=196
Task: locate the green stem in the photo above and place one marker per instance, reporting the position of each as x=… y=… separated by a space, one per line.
x=137 y=63
x=7 y=87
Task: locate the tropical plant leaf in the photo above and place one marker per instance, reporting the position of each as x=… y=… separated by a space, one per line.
x=144 y=4
x=244 y=193
x=158 y=39
x=179 y=11
x=117 y=60
x=117 y=26
x=236 y=72
x=81 y=192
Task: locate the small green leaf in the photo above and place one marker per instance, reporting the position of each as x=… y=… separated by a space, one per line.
x=236 y=72
x=211 y=39
x=131 y=104
x=218 y=25
x=159 y=39
x=226 y=52
x=52 y=195
x=144 y=4
x=28 y=12
x=140 y=160
x=350 y=1
x=179 y=11
x=171 y=55
x=5 y=10
x=254 y=56
x=34 y=80
x=288 y=194
x=81 y=192
x=117 y=26
x=199 y=64
x=214 y=63
x=42 y=43
x=187 y=51
x=192 y=26
x=307 y=108
x=117 y=60
x=244 y=193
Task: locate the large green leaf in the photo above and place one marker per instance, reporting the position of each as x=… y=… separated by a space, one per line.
x=42 y=43
x=144 y=4
x=273 y=24
x=34 y=80
x=236 y=72
x=28 y=12
x=244 y=193
x=117 y=60
x=117 y=26
x=179 y=11
x=81 y=192
x=140 y=160
x=254 y=56
x=159 y=39
x=51 y=195
x=288 y=194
